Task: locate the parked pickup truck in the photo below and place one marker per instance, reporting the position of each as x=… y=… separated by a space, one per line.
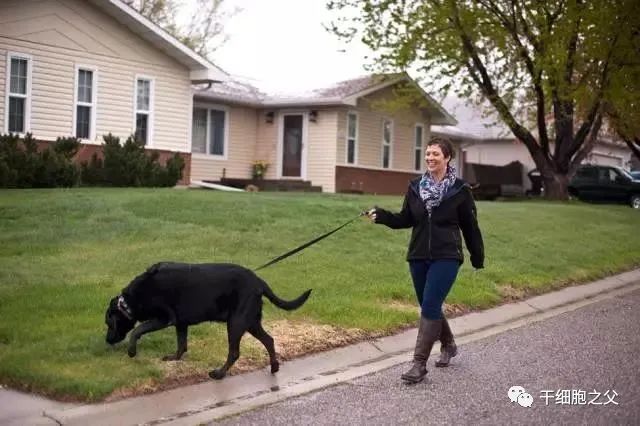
x=605 y=183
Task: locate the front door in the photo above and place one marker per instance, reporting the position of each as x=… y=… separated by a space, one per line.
x=292 y=145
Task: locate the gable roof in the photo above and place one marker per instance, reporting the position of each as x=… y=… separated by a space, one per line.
x=201 y=69
x=345 y=92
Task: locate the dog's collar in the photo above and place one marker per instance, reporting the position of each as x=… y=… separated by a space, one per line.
x=124 y=308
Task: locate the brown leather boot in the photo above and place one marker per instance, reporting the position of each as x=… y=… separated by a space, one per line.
x=428 y=333
x=448 y=348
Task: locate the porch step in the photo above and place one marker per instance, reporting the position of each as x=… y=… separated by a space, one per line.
x=270 y=184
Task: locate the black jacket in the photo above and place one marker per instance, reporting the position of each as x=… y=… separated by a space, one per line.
x=437 y=236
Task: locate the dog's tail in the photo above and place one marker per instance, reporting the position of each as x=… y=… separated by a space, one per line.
x=288 y=305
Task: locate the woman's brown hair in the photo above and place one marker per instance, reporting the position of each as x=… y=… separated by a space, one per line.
x=445 y=145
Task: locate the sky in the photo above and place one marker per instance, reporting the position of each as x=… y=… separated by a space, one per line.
x=281 y=46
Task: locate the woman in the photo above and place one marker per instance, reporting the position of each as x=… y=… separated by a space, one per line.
x=437 y=206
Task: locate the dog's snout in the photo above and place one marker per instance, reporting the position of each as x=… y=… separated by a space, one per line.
x=112 y=337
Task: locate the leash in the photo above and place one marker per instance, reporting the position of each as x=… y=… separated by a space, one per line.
x=305 y=245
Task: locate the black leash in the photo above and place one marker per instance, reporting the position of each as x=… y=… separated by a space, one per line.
x=305 y=245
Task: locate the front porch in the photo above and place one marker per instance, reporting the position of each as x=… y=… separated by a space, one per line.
x=296 y=185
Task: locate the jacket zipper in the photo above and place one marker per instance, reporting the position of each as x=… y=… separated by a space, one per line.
x=428 y=211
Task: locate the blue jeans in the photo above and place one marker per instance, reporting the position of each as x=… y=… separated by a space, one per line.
x=432 y=280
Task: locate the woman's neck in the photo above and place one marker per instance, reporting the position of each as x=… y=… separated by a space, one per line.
x=438 y=175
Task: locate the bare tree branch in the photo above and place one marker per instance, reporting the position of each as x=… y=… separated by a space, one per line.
x=634 y=146
x=587 y=147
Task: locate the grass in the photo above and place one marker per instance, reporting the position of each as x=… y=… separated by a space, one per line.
x=65 y=253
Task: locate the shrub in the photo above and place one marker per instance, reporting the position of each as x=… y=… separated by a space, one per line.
x=92 y=173
x=23 y=166
x=129 y=164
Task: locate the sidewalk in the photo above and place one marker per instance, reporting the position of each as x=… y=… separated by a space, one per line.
x=204 y=402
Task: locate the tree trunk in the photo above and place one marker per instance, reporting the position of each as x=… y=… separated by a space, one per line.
x=555 y=186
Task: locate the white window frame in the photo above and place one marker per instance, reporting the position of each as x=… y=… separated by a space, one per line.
x=355 y=142
x=390 y=144
x=225 y=142
x=415 y=146
x=27 y=104
x=94 y=100
x=150 y=113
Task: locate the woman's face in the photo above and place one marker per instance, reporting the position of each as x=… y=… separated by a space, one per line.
x=435 y=159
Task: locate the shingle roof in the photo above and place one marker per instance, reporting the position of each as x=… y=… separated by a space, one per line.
x=232 y=90
x=354 y=85
x=239 y=90
x=345 y=92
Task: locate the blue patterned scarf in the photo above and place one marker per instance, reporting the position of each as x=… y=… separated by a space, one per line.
x=431 y=191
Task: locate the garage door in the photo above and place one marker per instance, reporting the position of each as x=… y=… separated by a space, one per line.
x=606 y=160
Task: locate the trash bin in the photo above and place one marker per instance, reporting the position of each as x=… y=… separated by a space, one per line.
x=536 y=182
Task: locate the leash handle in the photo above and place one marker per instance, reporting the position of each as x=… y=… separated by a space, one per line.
x=305 y=245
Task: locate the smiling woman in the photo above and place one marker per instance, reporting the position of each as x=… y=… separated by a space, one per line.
x=437 y=207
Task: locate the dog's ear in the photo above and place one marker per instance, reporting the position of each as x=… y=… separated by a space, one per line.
x=153 y=269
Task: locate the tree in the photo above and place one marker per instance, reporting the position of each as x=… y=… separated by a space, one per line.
x=203 y=32
x=560 y=60
x=623 y=110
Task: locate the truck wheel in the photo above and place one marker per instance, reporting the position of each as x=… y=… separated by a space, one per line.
x=635 y=201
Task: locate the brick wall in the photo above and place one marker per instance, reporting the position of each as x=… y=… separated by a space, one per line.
x=372 y=181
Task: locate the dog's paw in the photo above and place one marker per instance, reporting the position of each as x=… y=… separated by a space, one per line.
x=132 y=351
x=217 y=374
x=275 y=367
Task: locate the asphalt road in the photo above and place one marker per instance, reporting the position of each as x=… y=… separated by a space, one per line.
x=587 y=359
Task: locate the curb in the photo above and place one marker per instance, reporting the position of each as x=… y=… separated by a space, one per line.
x=207 y=401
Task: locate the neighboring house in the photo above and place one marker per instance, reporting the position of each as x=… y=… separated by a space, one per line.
x=343 y=138
x=88 y=68
x=484 y=140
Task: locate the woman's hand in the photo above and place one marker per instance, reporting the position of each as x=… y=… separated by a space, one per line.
x=372 y=215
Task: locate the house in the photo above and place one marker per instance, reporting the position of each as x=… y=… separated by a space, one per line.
x=88 y=68
x=349 y=137
x=486 y=140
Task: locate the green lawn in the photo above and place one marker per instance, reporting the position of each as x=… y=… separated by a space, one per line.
x=65 y=253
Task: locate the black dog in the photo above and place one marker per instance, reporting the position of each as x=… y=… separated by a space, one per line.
x=180 y=295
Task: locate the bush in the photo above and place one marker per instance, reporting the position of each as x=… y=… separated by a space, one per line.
x=23 y=166
x=92 y=173
x=129 y=164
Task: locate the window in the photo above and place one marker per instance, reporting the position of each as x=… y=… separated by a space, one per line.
x=199 y=131
x=352 y=135
x=18 y=100
x=418 y=149
x=209 y=131
x=144 y=109
x=587 y=173
x=85 y=109
x=386 y=143
x=607 y=175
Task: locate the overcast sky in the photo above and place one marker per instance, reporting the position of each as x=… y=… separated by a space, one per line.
x=282 y=46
